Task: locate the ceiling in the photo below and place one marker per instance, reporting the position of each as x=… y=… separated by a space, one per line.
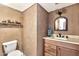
x=48 y=6
x=18 y=6
x=53 y=6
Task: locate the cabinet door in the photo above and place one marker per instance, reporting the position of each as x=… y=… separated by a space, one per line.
x=50 y=49
x=62 y=51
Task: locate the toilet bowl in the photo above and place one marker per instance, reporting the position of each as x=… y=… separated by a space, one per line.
x=15 y=53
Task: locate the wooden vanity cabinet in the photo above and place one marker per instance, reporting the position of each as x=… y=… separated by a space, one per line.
x=52 y=48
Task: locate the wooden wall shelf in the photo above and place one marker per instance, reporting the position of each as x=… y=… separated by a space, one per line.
x=7 y=25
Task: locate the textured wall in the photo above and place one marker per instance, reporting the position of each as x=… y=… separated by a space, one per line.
x=72 y=13
x=42 y=17
x=30 y=30
x=35 y=28
x=8 y=34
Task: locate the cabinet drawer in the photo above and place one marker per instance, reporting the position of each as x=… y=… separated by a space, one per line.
x=47 y=45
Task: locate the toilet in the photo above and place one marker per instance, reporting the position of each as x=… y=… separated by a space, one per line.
x=10 y=49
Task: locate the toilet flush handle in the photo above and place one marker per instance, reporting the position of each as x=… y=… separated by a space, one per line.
x=5 y=45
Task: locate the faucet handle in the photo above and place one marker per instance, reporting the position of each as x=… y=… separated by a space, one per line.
x=62 y=36
x=66 y=36
x=56 y=35
x=59 y=34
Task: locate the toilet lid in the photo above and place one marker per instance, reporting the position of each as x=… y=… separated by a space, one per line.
x=15 y=53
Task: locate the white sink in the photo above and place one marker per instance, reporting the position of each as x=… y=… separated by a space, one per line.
x=60 y=38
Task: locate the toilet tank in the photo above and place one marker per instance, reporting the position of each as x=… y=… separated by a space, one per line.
x=9 y=46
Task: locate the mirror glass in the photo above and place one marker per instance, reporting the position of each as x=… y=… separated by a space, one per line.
x=61 y=24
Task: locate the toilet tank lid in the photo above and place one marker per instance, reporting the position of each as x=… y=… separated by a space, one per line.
x=5 y=43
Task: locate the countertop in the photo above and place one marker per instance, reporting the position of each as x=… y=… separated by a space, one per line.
x=69 y=40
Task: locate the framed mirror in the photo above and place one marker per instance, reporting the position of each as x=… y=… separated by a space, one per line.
x=61 y=24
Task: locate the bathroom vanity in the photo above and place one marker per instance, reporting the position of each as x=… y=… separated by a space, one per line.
x=59 y=47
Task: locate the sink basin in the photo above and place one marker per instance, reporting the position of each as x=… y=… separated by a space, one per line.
x=60 y=38
x=70 y=40
x=73 y=40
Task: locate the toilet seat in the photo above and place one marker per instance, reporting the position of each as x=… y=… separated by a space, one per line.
x=15 y=53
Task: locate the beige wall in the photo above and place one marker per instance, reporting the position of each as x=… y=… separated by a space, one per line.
x=35 y=27
x=42 y=17
x=72 y=13
x=8 y=34
x=30 y=31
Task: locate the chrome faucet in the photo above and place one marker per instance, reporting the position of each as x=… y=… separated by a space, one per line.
x=61 y=36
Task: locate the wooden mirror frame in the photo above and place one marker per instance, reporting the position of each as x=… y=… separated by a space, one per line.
x=66 y=26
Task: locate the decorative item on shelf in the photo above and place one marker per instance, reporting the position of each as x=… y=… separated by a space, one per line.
x=8 y=21
x=10 y=24
x=18 y=22
x=3 y=22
